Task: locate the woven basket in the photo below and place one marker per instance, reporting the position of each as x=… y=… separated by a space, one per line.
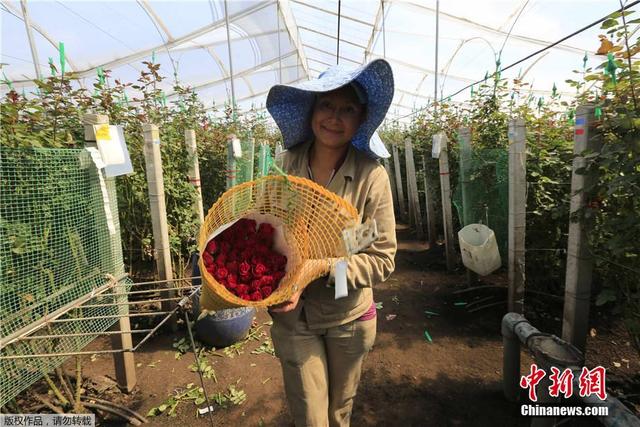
x=312 y=220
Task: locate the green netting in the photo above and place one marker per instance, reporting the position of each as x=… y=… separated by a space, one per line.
x=56 y=247
x=482 y=193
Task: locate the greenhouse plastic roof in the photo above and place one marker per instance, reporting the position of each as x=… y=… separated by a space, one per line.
x=292 y=40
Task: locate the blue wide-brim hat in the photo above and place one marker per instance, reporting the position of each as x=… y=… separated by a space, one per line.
x=291 y=106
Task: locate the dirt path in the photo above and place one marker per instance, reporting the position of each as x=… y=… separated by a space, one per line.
x=407 y=381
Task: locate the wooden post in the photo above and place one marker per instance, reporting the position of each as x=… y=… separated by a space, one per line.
x=194 y=170
x=88 y=120
x=392 y=182
x=517 y=216
x=464 y=140
x=579 y=259
x=412 y=188
x=398 y=173
x=445 y=193
x=155 y=181
x=428 y=201
x=124 y=362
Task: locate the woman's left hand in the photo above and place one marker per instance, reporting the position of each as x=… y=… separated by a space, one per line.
x=287 y=306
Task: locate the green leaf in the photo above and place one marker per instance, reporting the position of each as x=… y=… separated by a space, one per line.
x=607 y=295
x=608 y=23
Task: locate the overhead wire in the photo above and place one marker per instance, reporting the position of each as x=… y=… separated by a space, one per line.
x=338 y=38
x=537 y=52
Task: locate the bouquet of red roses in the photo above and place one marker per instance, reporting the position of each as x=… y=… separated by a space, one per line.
x=244 y=260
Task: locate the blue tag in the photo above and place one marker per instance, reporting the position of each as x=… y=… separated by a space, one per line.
x=580 y=121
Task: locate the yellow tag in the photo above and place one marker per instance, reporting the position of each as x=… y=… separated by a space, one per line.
x=102 y=133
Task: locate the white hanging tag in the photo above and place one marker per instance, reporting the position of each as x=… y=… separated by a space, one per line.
x=237 y=148
x=124 y=168
x=108 y=142
x=340 y=274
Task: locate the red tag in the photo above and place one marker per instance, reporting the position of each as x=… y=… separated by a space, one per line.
x=579 y=131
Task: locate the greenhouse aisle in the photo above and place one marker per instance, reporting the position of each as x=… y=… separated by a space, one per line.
x=453 y=380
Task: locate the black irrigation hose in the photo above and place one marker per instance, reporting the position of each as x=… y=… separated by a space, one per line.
x=539 y=51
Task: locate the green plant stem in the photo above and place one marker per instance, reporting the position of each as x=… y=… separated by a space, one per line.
x=626 y=42
x=65 y=385
x=78 y=380
x=55 y=390
x=48 y=404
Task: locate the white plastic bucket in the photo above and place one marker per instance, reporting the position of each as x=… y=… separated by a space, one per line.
x=479 y=249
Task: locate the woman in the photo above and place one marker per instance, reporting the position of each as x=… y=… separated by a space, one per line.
x=327 y=127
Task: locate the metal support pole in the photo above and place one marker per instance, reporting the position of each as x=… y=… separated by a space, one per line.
x=517 y=215
x=575 y=323
x=435 y=75
x=445 y=193
x=155 y=181
x=194 y=170
x=32 y=44
x=233 y=88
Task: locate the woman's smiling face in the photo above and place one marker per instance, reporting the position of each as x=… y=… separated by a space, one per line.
x=337 y=115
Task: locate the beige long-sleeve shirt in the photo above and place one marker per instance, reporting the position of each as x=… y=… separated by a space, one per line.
x=364 y=183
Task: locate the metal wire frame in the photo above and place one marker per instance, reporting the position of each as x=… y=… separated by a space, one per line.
x=28 y=333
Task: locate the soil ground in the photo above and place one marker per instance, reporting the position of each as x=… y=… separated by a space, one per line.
x=455 y=380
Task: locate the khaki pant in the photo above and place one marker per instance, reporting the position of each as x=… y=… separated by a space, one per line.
x=321 y=369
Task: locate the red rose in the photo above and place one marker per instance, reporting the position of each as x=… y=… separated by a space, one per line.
x=278 y=275
x=220 y=274
x=246 y=224
x=262 y=249
x=265 y=231
x=232 y=279
x=221 y=260
x=245 y=297
x=259 y=269
x=207 y=259
x=225 y=247
x=267 y=280
x=242 y=289
x=211 y=268
x=232 y=256
x=244 y=268
x=232 y=266
x=256 y=296
x=255 y=284
x=245 y=277
x=246 y=254
x=212 y=247
x=266 y=291
x=231 y=286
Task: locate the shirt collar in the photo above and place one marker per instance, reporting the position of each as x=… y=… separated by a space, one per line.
x=348 y=168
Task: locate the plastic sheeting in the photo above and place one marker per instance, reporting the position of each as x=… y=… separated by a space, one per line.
x=286 y=41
